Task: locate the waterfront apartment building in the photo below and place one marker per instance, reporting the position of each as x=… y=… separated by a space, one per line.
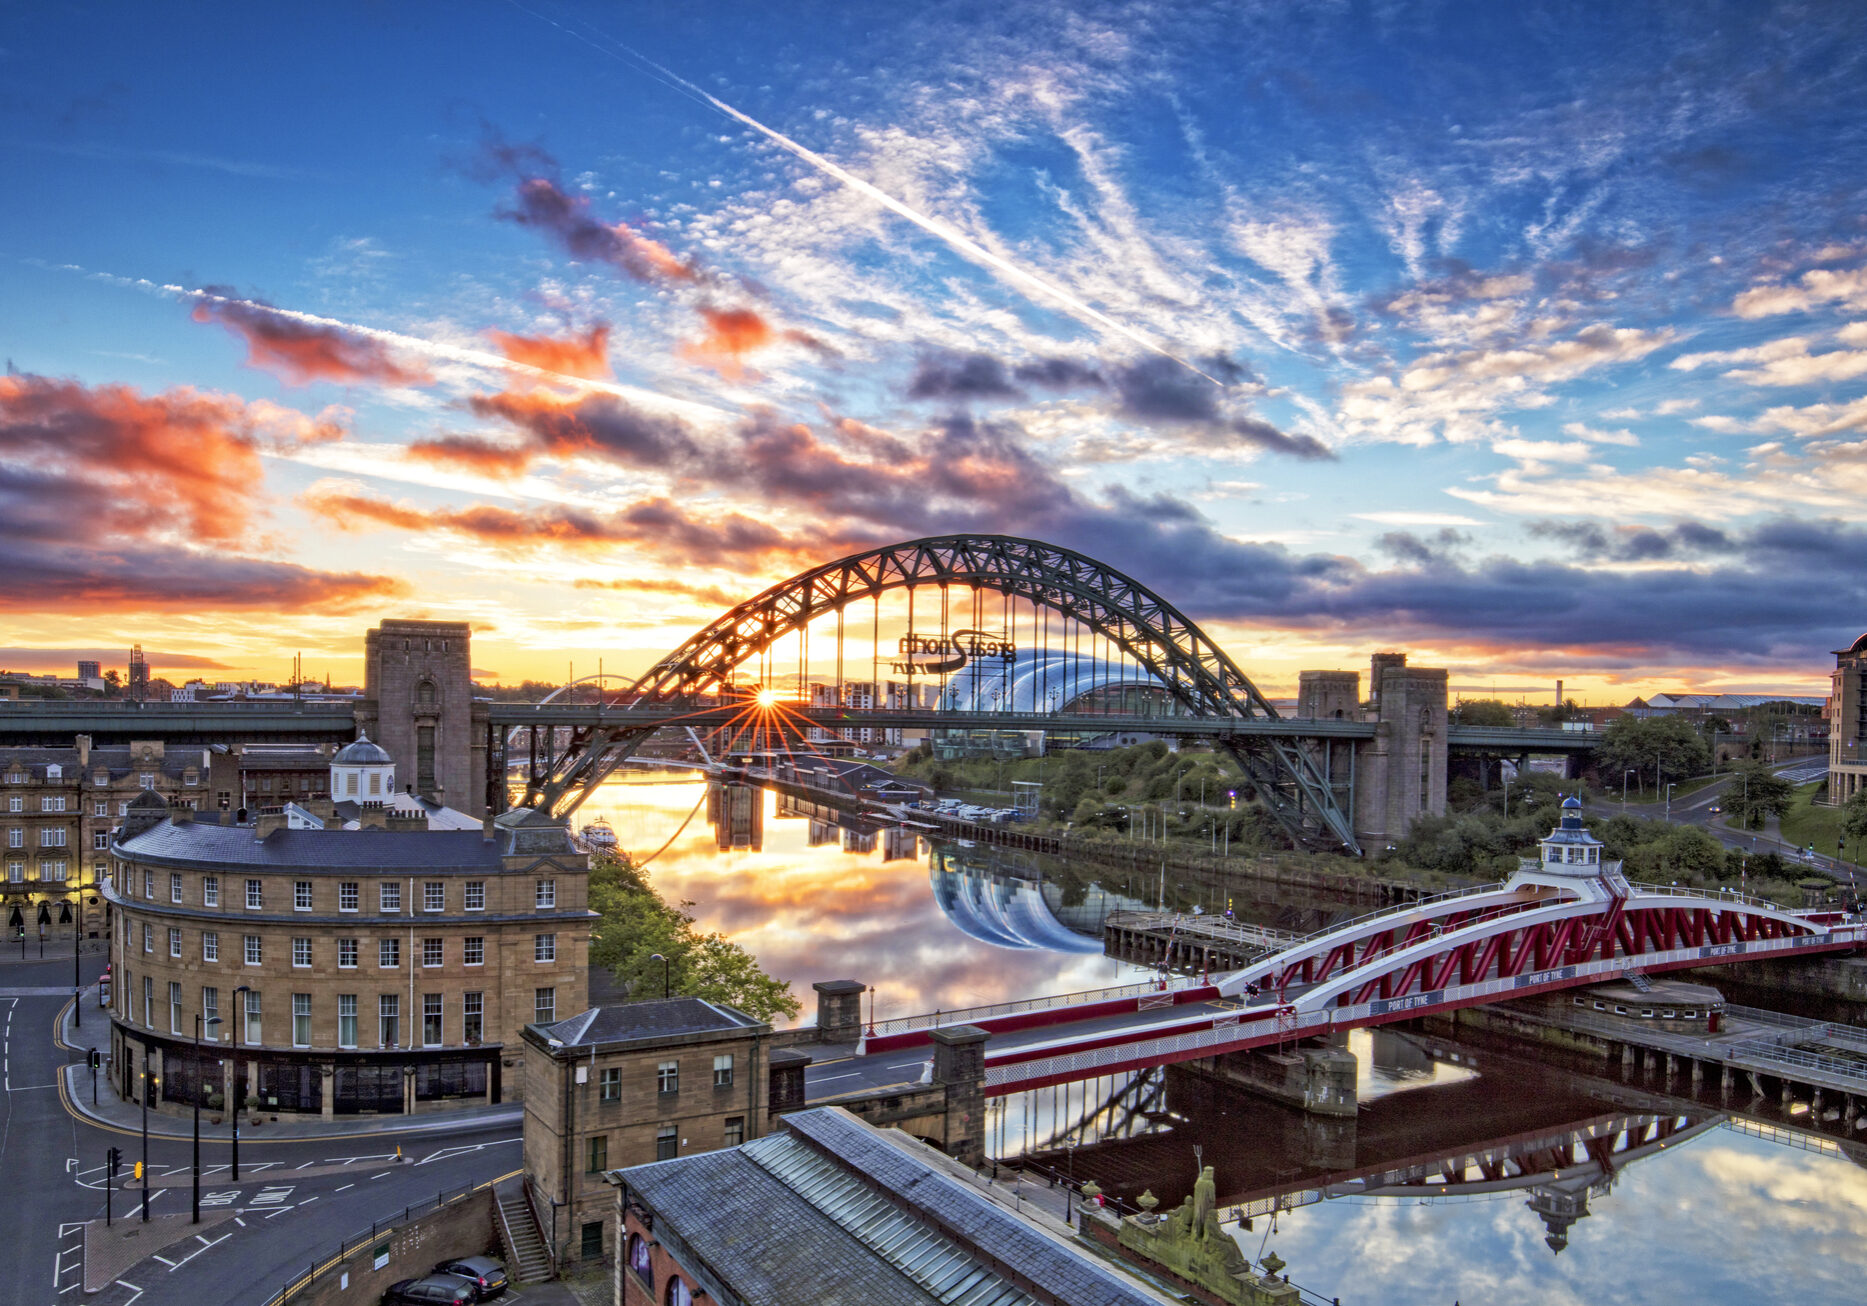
x=351 y=970
x=1847 y=722
x=58 y=806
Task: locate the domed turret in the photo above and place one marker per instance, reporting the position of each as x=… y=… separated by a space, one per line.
x=1570 y=846
x=362 y=771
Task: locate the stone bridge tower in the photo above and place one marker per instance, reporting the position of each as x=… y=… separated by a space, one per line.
x=418 y=682
x=1401 y=773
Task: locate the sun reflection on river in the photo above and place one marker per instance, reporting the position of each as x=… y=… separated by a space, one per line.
x=841 y=908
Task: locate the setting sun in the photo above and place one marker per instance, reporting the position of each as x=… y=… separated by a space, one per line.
x=767 y=697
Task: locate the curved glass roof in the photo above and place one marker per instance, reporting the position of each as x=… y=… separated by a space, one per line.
x=1035 y=680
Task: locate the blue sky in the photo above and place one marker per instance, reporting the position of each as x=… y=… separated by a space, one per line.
x=1531 y=338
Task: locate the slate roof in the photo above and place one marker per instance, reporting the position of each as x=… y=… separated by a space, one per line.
x=969 y=1215
x=200 y=844
x=657 y=1018
x=827 y=1210
x=769 y=1244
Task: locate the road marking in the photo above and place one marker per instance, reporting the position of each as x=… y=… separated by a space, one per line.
x=133 y=1288
x=237 y=1220
x=308 y=1201
x=176 y=1265
x=281 y=1211
x=446 y=1152
x=384 y=1175
x=346 y=1186
x=824 y=1079
x=166 y=1261
x=306 y=1166
x=74 y=1287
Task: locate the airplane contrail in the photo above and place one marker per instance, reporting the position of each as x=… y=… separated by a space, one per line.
x=934 y=226
x=426 y=348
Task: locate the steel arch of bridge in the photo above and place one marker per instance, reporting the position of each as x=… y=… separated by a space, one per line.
x=1202 y=679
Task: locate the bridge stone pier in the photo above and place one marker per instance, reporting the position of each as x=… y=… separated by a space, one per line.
x=1399 y=775
x=1319 y=1080
x=417 y=680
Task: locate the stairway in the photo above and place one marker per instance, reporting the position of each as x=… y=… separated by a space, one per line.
x=526 y=1261
x=1639 y=980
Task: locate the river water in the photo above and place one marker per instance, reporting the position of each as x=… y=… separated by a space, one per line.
x=1470 y=1174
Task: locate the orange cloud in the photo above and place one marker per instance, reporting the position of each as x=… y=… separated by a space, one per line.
x=562 y=426
x=585 y=355
x=674 y=533
x=732 y=333
x=107 y=493
x=301 y=352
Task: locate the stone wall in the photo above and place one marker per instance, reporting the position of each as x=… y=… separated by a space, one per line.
x=463 y=1227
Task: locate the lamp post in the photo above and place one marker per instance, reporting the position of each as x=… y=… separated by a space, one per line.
x=656 y=956
x=236 y=1090
x=198 y=1080
x=1624 y=774
x=77 y=971
x=147 y=1083
x=1670 y=786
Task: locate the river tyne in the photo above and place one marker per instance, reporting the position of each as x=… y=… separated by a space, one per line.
x=1573 y=1185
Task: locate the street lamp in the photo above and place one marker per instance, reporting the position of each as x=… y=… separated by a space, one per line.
x=236 y=1091
x=656 y=956
x=1624 y=774
x=1670 y=786
x=147 y=1084
x=198 y=1082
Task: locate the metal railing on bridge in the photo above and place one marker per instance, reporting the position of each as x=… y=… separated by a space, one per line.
x=966 y=1015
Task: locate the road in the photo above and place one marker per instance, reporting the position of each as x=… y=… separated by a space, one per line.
x=1695 y=809
x=294 y=1201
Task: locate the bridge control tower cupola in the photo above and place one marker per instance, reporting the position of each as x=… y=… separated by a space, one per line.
x=1570 y=848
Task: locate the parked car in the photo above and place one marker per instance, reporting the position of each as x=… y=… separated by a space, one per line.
x=431 y=1290
x=1714 y=809
x=487 y=1274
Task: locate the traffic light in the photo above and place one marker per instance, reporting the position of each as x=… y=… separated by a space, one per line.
x=94 y=1059
x=115 y=1159
x=139 y=1171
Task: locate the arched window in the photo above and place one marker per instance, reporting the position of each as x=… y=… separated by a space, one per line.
x=678 y=1293
x=424 y=693
x=639 y=1263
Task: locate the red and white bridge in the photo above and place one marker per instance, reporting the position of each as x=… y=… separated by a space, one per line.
x=1564 y=920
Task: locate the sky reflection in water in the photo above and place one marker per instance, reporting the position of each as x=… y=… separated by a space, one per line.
x=1723 y=1217
x=811 y=914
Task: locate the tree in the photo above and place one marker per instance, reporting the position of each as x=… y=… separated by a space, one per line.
x=1485 y=712
x=1755 y=792
x=1642 y=744
x=637 y=923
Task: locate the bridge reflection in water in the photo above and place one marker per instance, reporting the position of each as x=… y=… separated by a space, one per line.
x=1550 y=1143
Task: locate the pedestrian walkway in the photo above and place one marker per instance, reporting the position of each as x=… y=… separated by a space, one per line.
x=110 y=1250
x=113 y=1112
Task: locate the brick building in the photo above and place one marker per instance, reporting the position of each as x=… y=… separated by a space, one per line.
x=623 y=1085
x=375 y=969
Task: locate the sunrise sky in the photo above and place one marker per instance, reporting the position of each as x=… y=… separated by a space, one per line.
x=1530 y=338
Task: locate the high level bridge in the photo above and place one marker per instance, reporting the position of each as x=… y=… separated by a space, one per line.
x=965 y=635
x=1565 y=919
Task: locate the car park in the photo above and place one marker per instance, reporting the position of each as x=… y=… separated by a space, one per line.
x=487 y=1275
x=431 y=1290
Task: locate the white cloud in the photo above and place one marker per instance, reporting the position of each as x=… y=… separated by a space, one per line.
x=1814 y=289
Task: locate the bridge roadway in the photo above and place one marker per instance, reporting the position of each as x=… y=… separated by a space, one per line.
x=54 y=723
x=1541 y=931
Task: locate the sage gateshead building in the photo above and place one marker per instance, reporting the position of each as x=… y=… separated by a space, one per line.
x=388 y=968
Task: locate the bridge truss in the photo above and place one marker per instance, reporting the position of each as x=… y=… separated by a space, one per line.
x=1291 y=774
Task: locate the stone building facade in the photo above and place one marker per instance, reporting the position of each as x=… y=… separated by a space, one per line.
x=627 y=1085
x=58 y=806
x=366 y=970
